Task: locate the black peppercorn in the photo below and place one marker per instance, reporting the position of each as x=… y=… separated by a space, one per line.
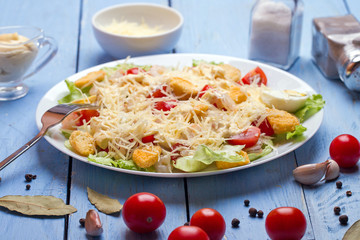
x=246 y=202
x=343 y=219
x=28 y=177
x=337 y=210
x=82 y=222
x=252 y=212
x=235 y=223
x=28 y=186
x=187 y=224
x=348 y=193
x=339 y=184
x=34 y=177
x=260 y=214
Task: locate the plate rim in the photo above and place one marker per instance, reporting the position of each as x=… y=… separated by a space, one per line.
x=42 y=103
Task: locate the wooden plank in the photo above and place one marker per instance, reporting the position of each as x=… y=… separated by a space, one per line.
x=18 y=119
x=340 y=117
x=117 y=185
x=267 y=186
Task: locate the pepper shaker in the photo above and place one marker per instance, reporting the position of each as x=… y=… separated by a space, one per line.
x=275 y=31
x=336 y=48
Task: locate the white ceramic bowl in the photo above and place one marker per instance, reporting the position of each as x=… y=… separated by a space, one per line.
x=121 y=46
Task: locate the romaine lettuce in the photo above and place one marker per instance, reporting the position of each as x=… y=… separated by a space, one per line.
x=75 y=93
x=299 y=130
x=312 y=105
x=204 y=156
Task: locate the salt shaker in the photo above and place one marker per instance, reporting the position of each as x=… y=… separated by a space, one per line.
x=336 y=48
x=275 y=31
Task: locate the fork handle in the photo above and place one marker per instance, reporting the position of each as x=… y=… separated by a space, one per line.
x=21 y=150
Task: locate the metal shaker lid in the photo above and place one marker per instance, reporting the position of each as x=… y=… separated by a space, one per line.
x=351 y=74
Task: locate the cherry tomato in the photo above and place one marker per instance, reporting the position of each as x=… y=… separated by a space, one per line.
x=177 y=152
x=255 y=73
x=210 y=221
x=159 y=93
x=71 y=121
x=249 y=137
x=77 y=118
x=165 y=105
x=188 y=233
x=345 y=150
x=87 y=114
x=134 y=71
x=143 y=212
x=148 y=139
x=285 y=223
x=204 y=89
x=265 y=127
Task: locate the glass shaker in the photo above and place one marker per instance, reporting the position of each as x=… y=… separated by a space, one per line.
x=275 y=31
x=336 y=48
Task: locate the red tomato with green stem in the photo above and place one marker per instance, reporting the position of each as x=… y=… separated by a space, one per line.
x=211 y=221
x=249 y=137
x=255 y=74
x=143 y=212
x=188 y=233
x=345 y=150
x=285 y=223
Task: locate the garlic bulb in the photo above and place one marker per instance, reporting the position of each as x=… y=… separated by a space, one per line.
x=93 y=225
x=332 y=171
x=310 y=173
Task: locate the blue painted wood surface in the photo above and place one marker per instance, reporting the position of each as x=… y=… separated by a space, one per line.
x=217 y=27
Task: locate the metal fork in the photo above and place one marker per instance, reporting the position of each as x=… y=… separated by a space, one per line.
x=51 y=117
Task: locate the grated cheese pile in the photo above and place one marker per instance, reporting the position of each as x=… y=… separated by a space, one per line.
x=127 y=112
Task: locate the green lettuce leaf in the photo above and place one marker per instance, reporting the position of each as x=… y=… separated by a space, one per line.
x=204 y=156
x=196 y=63
x=299 y=130
x=104 y=159
x=312 y=105
x=75 y=93
x=266 y=150
x=66 y=133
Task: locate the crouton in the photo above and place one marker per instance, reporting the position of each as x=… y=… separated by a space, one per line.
x=237 y=95
x=82 y=142
x=90 y=99
x=281 y=121
x=183 y=88
x=200 y=108
x=231 y=72
x=146 y=157
x=226 y=165
x=90 y=78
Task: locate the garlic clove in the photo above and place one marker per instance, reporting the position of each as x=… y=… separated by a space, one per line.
x=310 y=173
x=93 y=225
x=332 y=171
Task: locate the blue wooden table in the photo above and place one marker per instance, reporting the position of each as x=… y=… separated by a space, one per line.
x=216 y=27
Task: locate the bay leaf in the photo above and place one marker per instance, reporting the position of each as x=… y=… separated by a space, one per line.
x=353 y=233
x=37 y=205
x=103 y=203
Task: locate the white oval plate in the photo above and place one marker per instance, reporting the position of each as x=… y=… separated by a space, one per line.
x=277 y=79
